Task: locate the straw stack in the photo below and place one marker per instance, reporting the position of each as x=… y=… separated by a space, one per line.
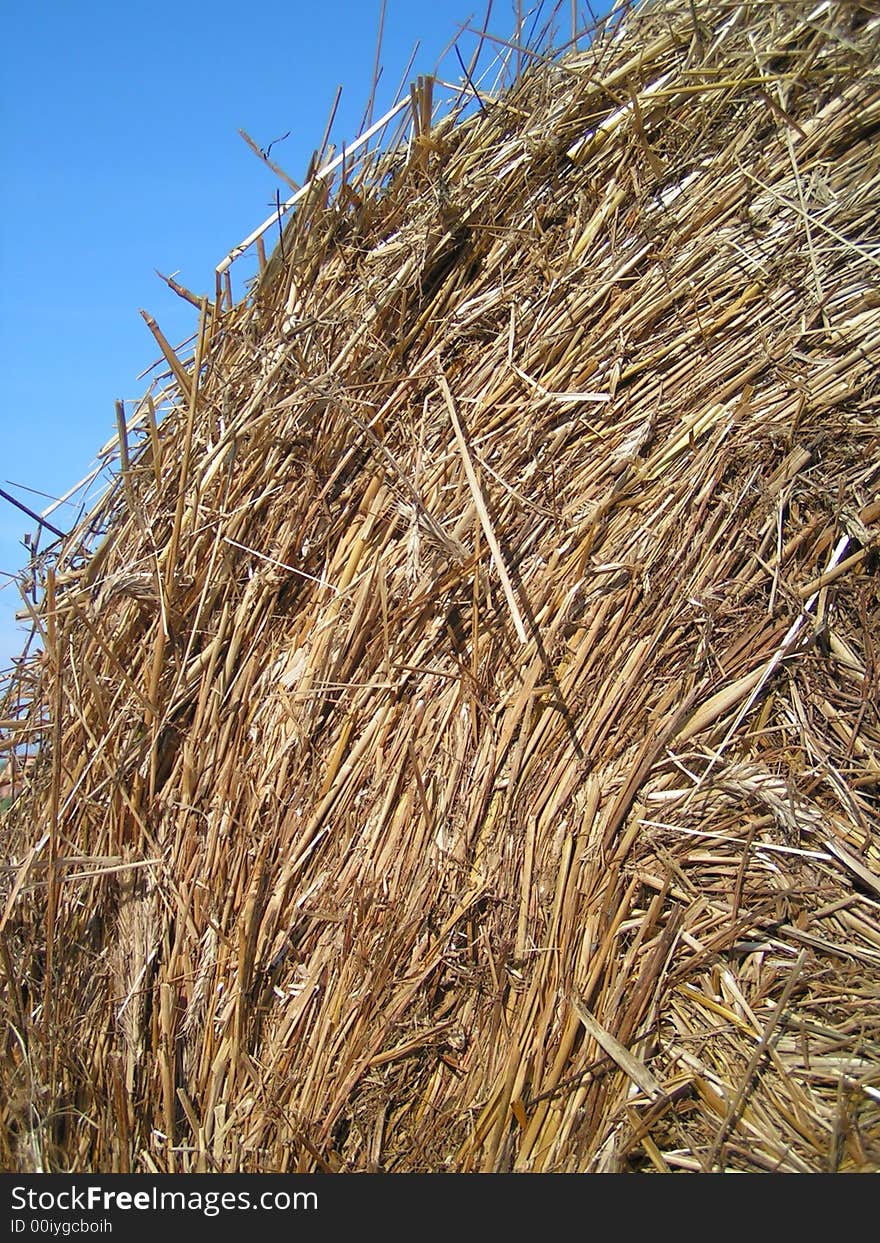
x=456 y=732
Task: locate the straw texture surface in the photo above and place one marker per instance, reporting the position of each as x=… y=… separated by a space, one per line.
x=453 y=742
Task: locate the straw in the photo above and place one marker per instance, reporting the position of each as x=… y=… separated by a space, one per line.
x=451 y=742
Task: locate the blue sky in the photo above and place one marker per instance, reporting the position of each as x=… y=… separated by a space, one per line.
x=121 y=152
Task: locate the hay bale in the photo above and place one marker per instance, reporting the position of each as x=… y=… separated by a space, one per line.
x=456 y=732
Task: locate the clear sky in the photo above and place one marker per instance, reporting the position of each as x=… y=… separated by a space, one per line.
x=121 y=155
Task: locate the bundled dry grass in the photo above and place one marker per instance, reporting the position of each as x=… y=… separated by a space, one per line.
x=457 y=730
